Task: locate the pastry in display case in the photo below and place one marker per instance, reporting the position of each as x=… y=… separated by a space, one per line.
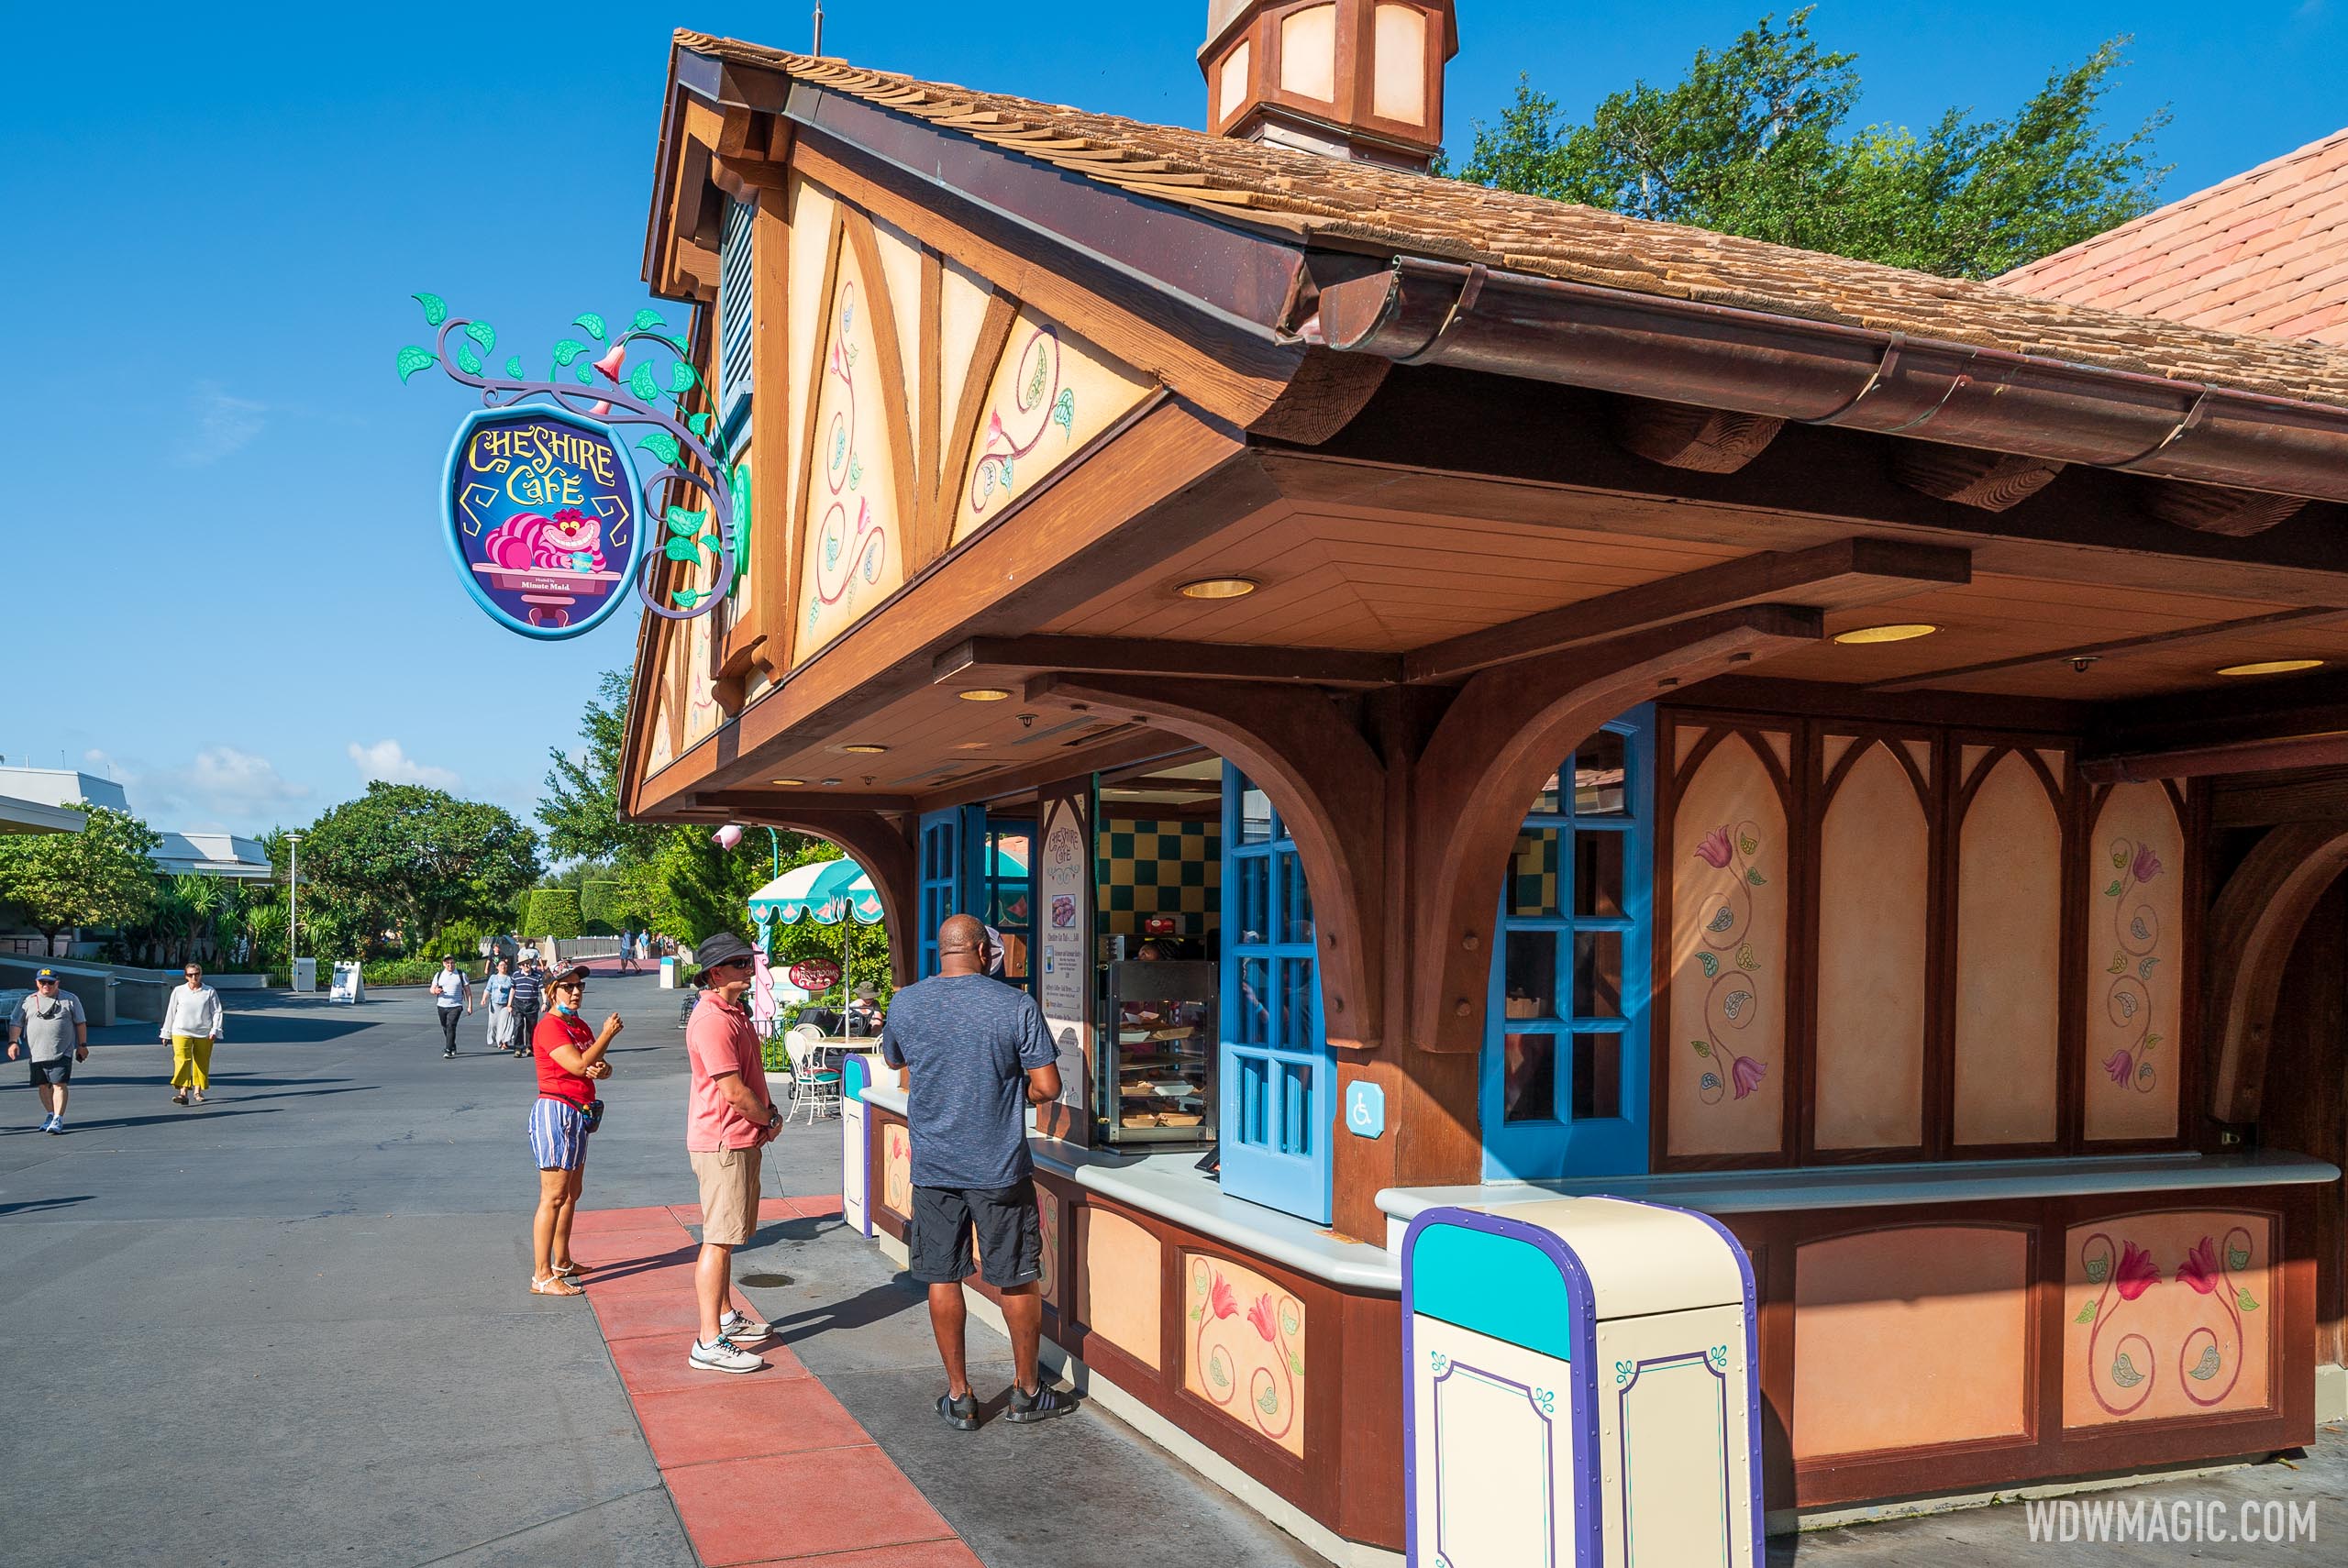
x=1157 y=1054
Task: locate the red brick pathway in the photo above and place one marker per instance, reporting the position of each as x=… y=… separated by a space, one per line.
x=766 y=1466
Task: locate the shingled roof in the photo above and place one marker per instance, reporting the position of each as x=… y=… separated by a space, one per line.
x=1361 y=206
x=2265 y=251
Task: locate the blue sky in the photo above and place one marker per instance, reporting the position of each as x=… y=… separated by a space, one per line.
x=224 y=579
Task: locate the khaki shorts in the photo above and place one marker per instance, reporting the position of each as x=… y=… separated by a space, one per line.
x=729 y=1194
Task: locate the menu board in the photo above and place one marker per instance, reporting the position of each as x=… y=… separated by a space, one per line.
x=1064 y=941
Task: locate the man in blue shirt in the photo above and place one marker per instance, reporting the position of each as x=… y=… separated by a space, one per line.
x=529 y=992
x=979 y=1055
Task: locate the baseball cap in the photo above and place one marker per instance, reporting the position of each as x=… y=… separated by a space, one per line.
x=45 y=974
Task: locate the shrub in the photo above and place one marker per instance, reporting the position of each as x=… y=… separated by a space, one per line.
x=554 y=911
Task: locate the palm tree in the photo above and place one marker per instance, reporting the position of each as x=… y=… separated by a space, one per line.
x=200 y=898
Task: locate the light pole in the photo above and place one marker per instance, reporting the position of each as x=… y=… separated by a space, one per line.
x=293 y=904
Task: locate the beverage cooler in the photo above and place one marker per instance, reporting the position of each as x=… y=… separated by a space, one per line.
x=1157 y=1054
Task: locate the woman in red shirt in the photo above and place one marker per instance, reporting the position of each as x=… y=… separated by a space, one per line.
x=569 y=1061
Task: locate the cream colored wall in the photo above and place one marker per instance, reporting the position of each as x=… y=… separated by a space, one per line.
x=1117 y=1292
x=2008 y=954
x=1914 y=1335
x=1874 y=884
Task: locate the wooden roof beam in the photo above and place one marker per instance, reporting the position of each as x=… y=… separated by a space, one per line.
x=780 y=798
x=1841 y=574
x=2091 y=651
x=1989 y=481
x=1682 y=435
x=2215 y=509
x=967 y=663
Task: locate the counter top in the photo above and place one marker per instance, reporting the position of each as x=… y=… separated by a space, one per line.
x=1173 y=1187
x=1857 y=1186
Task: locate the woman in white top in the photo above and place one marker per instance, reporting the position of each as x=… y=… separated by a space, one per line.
x=192 y=1023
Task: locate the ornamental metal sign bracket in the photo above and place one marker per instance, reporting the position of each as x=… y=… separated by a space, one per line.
x=543 y=508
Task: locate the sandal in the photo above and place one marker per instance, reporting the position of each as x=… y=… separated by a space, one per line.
x=179 y=1097
x=555 y=1285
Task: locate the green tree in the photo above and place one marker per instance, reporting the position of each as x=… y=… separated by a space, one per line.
x=1751 y=143
x=407 y=856
x=100 y=876
x=553 y=911
x=581 y=808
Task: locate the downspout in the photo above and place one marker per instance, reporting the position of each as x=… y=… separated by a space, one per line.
x=1421 y=312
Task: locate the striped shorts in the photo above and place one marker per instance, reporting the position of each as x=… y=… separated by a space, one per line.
x=558 y=1135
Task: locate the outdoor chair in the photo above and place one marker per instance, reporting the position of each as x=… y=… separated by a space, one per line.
x=814 y=1081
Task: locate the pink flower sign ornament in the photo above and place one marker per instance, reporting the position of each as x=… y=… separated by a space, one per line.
x=2137 y=1272
x=1260 y=1314
x=2200 y=1268
x=1715 y=849
x=2146 y=864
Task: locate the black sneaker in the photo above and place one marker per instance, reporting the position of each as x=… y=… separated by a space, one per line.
x=1040 y=1406
x=961 y=1414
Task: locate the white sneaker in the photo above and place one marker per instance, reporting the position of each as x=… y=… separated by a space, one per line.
x=743 y=1329
x=722 y=1356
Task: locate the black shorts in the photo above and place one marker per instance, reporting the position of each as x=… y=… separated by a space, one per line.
x=1009 y=1234
x=56 y=1071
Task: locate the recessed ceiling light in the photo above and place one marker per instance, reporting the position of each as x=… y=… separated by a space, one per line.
x=985 y=694
x=2271 y=667
x=864 y=750
x=1218 y=587
x=789 y=783
x=1900 y=632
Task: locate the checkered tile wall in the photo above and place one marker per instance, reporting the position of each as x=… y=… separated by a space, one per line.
x=1152 y=867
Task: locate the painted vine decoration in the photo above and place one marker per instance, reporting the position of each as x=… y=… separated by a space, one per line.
x=1732 y=996
x=1038 y=401
x=2128 y=999
x=1272 y=1386
x=688 y=446
x=2127 y=1270
x=843 y=556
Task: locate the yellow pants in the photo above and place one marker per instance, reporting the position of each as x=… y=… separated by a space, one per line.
x=191 y=1061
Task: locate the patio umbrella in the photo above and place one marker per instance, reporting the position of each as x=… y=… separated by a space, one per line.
x=826 y=891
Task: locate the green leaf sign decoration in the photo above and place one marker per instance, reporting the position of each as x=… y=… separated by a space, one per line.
x=643 y=377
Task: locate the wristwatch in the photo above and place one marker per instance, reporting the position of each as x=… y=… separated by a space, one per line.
x=774 y=1116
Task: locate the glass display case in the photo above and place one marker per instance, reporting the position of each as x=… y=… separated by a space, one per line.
x=1157 y=1054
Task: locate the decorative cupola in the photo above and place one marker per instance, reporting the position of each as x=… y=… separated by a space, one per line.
x=1359 y=79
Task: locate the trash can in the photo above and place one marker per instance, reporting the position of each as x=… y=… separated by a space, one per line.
x=855 y=1072
x=668 y=974
x=1579 y=1388
x=306 y=975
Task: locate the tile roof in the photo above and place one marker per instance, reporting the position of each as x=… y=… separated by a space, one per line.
x=2265 y=251
x=1312 y=198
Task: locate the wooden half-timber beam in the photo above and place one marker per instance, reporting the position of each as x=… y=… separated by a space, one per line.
x=770 y=801
x=2249 y=939
x=2299 y=616
x=1991 y=481
x=879 y=842
x=1682 y=435
x=984 y=656
x=1841 y=574
x=2326 y=750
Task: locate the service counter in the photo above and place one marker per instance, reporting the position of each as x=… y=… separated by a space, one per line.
x=1922 y=1330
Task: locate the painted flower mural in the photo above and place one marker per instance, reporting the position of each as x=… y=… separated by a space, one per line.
x=1732 y=1000
x=2136 y=935
x=2124 y=1273
x=1248 y=1364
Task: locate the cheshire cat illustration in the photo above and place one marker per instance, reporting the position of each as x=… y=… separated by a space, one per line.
x=569 y=541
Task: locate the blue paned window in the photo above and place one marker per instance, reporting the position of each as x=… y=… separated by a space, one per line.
x=1563 y=1086
x=1276 y=1073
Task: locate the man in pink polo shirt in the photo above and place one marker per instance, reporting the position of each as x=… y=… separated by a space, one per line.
x=727 y=1118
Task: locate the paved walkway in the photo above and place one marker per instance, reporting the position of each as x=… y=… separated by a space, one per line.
x=290 y=1327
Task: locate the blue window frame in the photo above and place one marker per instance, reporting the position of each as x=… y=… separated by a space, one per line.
x=1010 y=902
x=1563 y=1086
x=952 y=844
x=1276 y=1074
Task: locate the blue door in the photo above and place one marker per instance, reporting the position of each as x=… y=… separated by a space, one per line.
x=1564 y=1088
x=953 y=845
x=1277 y=1076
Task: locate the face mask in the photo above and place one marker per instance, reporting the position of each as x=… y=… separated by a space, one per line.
x=566 y=1010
